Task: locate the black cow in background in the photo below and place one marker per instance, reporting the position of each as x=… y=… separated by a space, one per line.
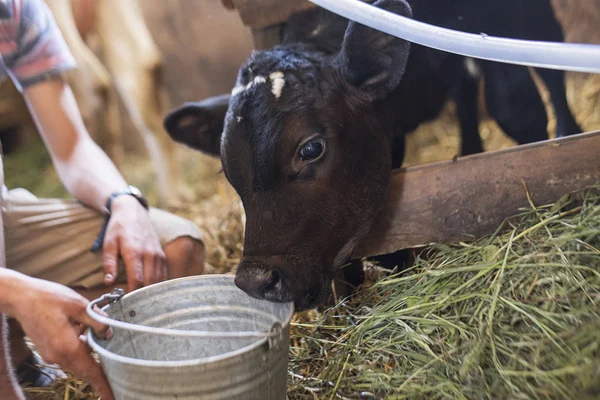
x=313 y=127
x=432 y=76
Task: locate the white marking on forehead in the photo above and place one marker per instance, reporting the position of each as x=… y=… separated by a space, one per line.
x=277 y=84
x=240 y=88
x=277 y=81
x=256 y=81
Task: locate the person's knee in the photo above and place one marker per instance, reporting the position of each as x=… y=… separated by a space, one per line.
x=185 y=257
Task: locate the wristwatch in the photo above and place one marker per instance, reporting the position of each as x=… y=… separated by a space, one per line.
x=130 y=191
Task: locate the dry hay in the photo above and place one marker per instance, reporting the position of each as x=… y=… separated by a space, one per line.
x=67 y=389
x=512 y=316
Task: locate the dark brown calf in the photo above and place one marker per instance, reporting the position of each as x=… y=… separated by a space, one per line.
x=312 y=130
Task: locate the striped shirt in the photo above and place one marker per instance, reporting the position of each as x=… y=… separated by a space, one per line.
x=32 y=48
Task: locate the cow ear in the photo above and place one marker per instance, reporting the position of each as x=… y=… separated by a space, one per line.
x=374 y=61
x=199 y=125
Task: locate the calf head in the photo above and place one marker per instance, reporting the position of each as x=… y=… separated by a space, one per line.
x=301 y=142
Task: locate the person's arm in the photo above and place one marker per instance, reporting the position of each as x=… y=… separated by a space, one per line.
x=91 y=177
x=83 y=167
x=85 y=170
x=54 y=317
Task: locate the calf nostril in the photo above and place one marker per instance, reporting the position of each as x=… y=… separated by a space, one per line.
x=271 y=279
x=258 y=281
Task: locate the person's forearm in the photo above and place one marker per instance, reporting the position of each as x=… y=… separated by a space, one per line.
x=12 y=284
x=89 y=175
x=86 y=171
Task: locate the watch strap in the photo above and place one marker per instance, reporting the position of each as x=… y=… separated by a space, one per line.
x=100 y=238
x=131 y=191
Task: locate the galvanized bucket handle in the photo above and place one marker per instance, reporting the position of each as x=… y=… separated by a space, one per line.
x=274 y=334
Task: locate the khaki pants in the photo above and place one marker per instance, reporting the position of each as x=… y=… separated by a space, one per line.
x=51 y=239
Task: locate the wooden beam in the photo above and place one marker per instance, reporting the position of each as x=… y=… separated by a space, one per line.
x=262 y=13
x=453 y=201
x=266 y=38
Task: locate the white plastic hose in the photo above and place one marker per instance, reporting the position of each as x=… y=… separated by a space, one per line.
x=551 y=55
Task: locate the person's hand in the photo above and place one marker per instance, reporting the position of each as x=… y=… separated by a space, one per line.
x=55 y=318
x=131 y=234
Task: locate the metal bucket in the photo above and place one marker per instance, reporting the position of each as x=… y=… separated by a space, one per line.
x=194 y=338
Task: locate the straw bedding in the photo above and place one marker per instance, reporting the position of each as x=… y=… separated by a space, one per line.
x=512 y=316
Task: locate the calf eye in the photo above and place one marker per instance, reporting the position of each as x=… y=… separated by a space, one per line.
x=312 y=150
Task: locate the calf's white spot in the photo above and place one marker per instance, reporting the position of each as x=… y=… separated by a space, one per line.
x=277 y=83
x=241 y=88
x=258 y=79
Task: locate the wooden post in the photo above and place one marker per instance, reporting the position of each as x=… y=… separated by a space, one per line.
x=265 y=17
x=453 y=201
x=262 y=13
x=266 y=38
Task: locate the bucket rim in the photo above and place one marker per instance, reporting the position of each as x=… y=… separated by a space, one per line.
x=174 y=332
x=261 y=340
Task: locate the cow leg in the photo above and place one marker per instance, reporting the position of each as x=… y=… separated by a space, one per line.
x=555 y=82
x=463 y=77
x=548 y=28
x=266 y=38
x=514 y=102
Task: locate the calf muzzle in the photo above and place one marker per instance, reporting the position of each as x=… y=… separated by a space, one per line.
x=262 y=282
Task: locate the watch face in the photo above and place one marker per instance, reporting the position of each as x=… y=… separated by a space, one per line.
x=135 y=191
x=138 y=195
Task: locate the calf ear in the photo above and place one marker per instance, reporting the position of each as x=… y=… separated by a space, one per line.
x=374 y=61
x=199 y=125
